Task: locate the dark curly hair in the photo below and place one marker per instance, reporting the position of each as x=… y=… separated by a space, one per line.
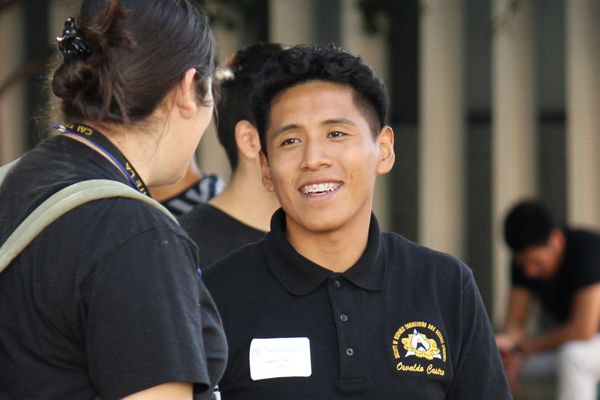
x=140 y=49
x=236 y=82
x=529 y=223
x=302 y=64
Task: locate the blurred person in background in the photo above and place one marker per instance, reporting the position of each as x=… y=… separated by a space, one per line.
x=241 y=214
x=106 y=302
x=194 y=188
x=559 y=266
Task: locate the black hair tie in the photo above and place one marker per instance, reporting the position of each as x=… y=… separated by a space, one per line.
x=70 y=43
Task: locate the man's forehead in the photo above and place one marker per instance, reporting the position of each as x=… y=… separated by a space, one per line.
x=288 y=115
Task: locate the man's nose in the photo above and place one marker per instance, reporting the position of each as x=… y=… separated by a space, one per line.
x=315 y=155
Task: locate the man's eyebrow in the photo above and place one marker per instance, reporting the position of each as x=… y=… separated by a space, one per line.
x=284 y=129
x=338 y=121
x=334 y=121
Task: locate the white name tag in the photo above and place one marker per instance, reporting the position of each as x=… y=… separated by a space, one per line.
x=280 y=358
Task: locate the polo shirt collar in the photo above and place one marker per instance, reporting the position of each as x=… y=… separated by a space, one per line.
x=301 y=276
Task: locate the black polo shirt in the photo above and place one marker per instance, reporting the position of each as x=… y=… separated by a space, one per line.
x=403 y=322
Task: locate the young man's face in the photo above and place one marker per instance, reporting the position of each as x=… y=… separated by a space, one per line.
x=323 y=158
x=542 y=262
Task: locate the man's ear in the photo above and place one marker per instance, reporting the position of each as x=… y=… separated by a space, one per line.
x=556 y=239
x=267 y=179
x=246 y=138
x=185 y=95
x=385 y=143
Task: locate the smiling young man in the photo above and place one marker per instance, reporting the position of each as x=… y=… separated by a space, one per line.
x=327 y=306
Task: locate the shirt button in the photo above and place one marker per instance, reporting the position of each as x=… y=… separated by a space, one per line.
x=350 y=351
x=337 y=284
x=344 y=317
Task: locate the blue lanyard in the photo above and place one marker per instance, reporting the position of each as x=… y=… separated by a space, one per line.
x=88 y=133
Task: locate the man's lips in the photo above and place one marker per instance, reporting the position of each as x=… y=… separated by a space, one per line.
x=321 y=188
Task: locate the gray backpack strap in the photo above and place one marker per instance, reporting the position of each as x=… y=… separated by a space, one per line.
x=61 y=202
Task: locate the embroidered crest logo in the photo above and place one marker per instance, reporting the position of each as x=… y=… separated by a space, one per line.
x=420 y=342
x=418 y=345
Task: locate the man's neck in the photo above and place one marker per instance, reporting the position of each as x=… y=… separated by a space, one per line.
x=337 y=251
x=246 y=200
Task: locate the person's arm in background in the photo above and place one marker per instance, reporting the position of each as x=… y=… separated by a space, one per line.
x=514 y=331
x=583 y=324
x=519 y=305
x=166 y=391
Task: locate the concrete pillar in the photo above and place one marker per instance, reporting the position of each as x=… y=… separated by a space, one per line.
x=583 y=112
x=12 y=135
x=514 y=127
x=442 y=120
x=374 y=51
x=292 y=21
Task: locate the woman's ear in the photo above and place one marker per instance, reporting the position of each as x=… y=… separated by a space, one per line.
x=385 y=142
x=267 y=179
x=185 y=95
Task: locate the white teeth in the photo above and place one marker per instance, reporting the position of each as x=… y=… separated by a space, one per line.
x=321 y=187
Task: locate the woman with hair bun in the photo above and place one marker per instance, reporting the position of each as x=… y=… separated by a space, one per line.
x=106 y=301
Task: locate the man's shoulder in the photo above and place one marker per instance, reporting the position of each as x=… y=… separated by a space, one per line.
x=216 y=233
x=206 y=220
x=582 y=257
x=581 y=236
x=427 y=269
x=201 y=213
x=400 y=249
x=582 y=247
x=237 y=265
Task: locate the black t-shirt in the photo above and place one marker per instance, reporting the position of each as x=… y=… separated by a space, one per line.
x=403 y=322
x=106 y=300
x=216 y=233
x=579 y=268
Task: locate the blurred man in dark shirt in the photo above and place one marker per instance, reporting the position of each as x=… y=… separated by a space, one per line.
x=561 y=267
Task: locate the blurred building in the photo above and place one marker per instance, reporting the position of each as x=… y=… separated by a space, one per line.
x=491 y=101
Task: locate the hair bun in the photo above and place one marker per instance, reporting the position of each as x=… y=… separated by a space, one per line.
x=122 y=57
x=91 y=85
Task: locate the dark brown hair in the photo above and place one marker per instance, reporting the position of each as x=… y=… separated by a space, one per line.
x=302 y=64
x=528 y=224
x=140 y=49
x=235 y=83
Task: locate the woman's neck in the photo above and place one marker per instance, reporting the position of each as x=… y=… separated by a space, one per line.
x=137 y=148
